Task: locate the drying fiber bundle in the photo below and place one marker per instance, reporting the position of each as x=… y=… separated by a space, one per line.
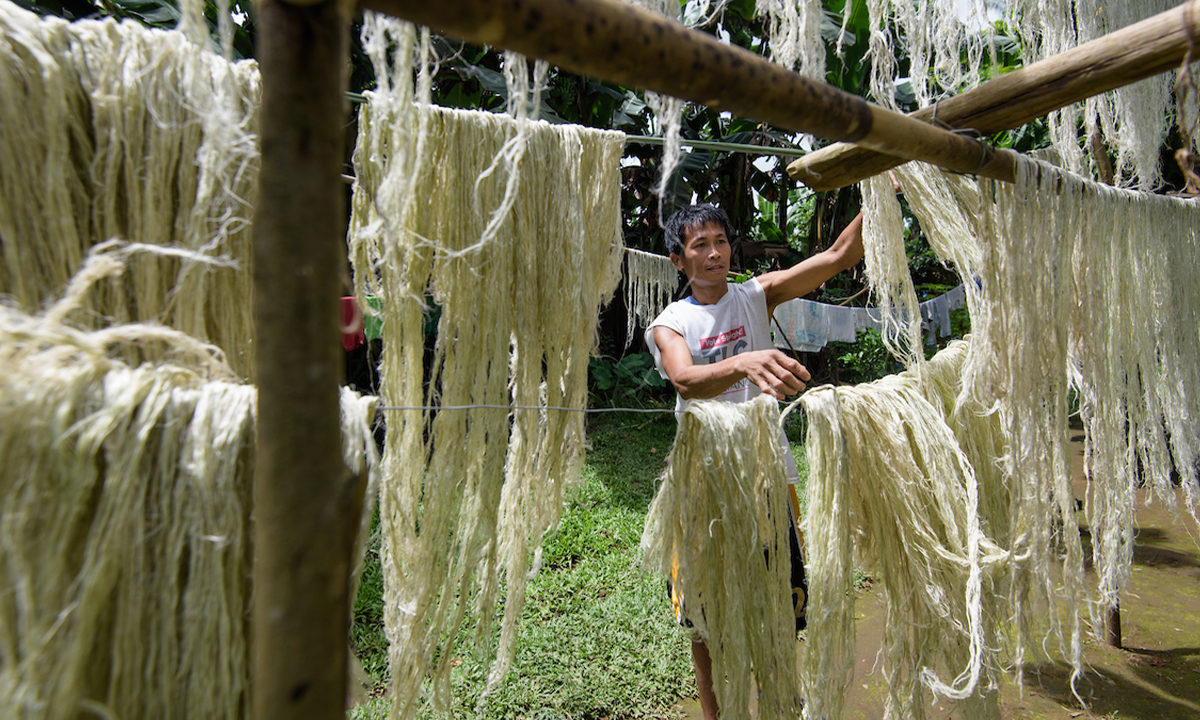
x=794 y=36
x=125 y=509
x=946 y=44
x=1070 y=281
x=1014 y=253
x=112 y=130
x=1019 y=364
x=722 y=503
x=946 y=206
x=650 y=281
x=887 y=270
x=1131 y=121
x=888 y=476
x=514 y=260
x=668 y=111
x=1134 y=354
x=1112 y=303
x=794 y=32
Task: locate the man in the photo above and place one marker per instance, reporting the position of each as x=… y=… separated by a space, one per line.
x=716 y=343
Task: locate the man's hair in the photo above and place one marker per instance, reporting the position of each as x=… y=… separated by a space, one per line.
x=692 y=216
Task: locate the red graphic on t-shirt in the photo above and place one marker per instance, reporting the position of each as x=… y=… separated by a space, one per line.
x=729 y=336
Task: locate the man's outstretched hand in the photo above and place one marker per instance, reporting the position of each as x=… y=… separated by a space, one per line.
x=773 y=372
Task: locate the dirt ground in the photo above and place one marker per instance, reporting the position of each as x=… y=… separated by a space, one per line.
x=1154 y=675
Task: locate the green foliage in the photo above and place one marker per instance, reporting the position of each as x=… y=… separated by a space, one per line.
x=864 y=360
x=367 y=636
x=630 y=381
x=784 y=217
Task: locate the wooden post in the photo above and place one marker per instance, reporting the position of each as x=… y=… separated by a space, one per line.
x=304 y=500
x=1141 y=50
x=612 y=40
x=1112 y=625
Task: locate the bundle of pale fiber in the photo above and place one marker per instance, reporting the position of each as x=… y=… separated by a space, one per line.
x=1086 y=284
x=113 y=130
x=125 y=510
x=889 y=479
x=511 y=229
x=650 y=281
x=722 y=502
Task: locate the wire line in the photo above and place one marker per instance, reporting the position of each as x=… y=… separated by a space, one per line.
x=523 y=407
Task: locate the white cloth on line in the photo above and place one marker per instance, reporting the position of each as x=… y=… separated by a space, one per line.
x=809 y=325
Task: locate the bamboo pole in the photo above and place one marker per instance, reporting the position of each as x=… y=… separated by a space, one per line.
x=615 y=41
x=1138 y=51
x=304 y=501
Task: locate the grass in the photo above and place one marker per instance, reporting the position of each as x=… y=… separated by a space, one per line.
x=597 y=638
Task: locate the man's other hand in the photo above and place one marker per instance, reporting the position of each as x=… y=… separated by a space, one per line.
x=773 y=372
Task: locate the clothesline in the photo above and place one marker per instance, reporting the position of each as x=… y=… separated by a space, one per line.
x=811 y=325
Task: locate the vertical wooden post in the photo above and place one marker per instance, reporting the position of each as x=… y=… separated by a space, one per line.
x=1112 y=625
x=304 y=499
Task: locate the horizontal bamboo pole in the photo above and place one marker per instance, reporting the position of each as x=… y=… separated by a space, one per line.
x=1138 y=51
x=614 y=41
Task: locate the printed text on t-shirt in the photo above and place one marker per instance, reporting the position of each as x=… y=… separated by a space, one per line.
x=737 y=333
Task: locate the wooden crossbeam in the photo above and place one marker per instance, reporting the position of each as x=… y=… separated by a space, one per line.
x=614 y=41
x=1139 y=51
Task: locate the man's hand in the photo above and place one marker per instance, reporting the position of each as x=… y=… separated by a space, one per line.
x=773 y=372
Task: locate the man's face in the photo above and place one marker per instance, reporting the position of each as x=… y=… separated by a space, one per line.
x=705 y=258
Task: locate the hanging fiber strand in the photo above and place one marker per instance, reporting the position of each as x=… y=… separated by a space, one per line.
x=887 y=475
x=143 y=135
x=668 y=111
x=887 y=270
x=1133 y=353
x=125 y=510
x=1071 y=286
x=946 y=207
x=723 y=501
x=650 y=282
x=468 y=495
x=1020 y=364
x=1016 y=367
x=1131 y=121
x=794 y=33
x=1076 y=285
x=945 y=43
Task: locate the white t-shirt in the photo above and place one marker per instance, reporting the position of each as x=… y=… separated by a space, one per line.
x=736 y=323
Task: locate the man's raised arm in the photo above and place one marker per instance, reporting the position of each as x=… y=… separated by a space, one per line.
x=808 y=274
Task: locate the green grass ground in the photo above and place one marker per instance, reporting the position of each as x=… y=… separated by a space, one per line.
x=597 y=639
